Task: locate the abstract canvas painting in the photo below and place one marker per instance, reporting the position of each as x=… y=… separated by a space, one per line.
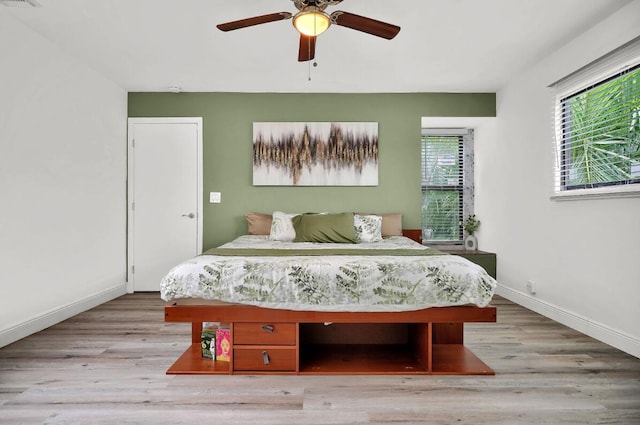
x=315 y=153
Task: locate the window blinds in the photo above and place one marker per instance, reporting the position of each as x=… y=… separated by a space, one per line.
x=442 y=186
x=597 y=122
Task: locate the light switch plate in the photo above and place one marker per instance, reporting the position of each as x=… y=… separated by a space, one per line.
x=215 y=197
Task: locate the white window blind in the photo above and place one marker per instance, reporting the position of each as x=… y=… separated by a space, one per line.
x=597 y=123
x=446 y=161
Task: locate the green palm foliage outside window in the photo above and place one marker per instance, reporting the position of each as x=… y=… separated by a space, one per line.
x=442 y=188
x=600 y=139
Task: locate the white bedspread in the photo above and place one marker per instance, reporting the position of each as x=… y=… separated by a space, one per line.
x=332 y=282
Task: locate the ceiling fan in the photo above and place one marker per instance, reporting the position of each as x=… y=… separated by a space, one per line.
x=311 y=20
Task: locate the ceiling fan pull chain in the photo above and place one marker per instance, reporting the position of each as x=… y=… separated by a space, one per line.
x=309 y=61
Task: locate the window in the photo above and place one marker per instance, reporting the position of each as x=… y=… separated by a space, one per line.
x=447 y=183
x=598 y=124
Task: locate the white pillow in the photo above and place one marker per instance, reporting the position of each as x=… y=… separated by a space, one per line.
x=368 y=228
x=282 y=227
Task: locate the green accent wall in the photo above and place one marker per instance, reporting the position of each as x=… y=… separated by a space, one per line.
x=227 y=137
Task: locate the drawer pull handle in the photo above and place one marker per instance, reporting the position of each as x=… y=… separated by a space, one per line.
x=268 y=328
x=265 y=357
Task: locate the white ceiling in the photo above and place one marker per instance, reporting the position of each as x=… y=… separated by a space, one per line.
x=444 y=45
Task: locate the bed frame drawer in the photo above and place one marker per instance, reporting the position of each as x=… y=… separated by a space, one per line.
x=264 y=333
x=264 y=359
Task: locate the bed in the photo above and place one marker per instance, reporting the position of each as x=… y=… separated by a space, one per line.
x=322 y=306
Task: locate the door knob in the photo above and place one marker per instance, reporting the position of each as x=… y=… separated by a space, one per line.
x=190 y=215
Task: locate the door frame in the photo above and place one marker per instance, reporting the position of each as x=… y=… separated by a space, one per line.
x=131 y=122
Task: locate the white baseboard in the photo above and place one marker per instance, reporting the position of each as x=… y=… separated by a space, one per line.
x=599 y=331
x=50 y=318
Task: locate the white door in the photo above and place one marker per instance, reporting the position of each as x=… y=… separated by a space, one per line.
x=165 y=197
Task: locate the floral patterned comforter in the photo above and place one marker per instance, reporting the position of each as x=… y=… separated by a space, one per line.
x=333 y=282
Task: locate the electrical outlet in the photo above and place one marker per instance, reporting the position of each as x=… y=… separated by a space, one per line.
x=531 y=286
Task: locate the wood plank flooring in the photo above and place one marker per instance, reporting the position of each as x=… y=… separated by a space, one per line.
x=107 y=366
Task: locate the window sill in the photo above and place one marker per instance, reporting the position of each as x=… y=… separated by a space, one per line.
x=444 y=246
x=611 y=192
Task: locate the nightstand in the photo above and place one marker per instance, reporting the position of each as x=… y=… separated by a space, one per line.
x=485 y=259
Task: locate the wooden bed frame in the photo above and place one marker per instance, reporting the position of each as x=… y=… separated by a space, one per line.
x=271 y=341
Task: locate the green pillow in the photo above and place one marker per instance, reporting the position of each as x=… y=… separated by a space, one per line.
x=324 y=228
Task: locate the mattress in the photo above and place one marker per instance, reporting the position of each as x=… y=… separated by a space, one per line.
x=395 y=274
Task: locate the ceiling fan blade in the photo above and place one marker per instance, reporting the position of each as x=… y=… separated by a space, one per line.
x=256 y=20
x=307 y=49
x=368 y=25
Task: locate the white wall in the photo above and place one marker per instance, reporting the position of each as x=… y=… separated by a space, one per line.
x=583 y=255
x=62 y=184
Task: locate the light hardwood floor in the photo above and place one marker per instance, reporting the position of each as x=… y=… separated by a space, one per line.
x=107 y=366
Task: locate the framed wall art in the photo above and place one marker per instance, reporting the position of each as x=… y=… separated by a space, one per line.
x=315 y=153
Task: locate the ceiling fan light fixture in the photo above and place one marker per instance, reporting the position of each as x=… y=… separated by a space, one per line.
x=311 y=21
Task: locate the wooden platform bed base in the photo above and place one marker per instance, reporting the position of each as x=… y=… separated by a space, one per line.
x=269 y=341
